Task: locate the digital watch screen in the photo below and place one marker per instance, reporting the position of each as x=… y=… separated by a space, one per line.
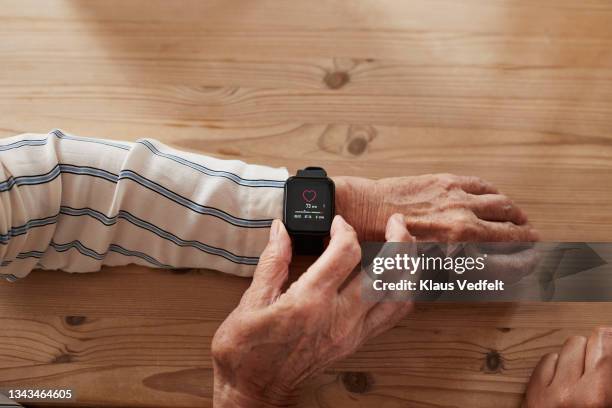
x=309 y=206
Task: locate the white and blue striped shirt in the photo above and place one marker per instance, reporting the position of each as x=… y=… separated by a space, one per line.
x=75 y=204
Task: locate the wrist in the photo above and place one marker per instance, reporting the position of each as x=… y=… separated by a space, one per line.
x=359 y=201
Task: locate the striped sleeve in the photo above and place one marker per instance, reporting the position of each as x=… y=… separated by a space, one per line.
x=75 y=204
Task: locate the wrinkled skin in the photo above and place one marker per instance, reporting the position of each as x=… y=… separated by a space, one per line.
x=273 y=341
x=437 y=208
x=580 y=375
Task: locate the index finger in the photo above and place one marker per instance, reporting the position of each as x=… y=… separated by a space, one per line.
x=360 y=293
x=337 y=261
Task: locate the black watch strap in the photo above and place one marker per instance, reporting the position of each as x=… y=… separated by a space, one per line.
x=314 y=172
x=307 y=244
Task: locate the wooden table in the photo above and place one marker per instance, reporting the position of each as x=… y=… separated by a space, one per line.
x=516 y=91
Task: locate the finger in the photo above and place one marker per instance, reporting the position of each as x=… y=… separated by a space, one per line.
x=273 y=268
x=358 y=300
x=599 y=347
x=476 y=185
x=337 y=261
x=383 y=316
x=396 y=230
x=497 y=207
x=506 y=231
x=570 y=365
x=543 y=373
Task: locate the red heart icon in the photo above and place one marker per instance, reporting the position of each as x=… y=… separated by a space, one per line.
x=309 y=195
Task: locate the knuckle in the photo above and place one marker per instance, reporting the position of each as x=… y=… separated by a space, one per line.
x=503 y=200
x=465 y=220
x=508 y=208
x=463 y=228
x=472 y=180
x=478 y=180
x=575 y=340
x=457 y=198
x=447 y=181
x=456 y=204
x=486 y=184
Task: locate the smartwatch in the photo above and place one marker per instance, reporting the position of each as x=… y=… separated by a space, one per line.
x=309 y=209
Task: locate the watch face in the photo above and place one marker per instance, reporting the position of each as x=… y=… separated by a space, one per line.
x=309 y=205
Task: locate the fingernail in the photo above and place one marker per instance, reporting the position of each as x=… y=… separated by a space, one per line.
x=274 y=230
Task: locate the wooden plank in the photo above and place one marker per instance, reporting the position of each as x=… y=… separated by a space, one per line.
x=167 y=362
x=514 y=91
x=373 y=29
x=188 y=105
x=347 y=75
x=139 y=293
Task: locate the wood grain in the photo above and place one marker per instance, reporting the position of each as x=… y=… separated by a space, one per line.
x=515 y=91
x=167 y=360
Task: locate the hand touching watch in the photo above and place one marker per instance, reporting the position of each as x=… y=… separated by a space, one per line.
x=276 y=339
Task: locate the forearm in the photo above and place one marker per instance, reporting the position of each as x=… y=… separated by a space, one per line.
x=359 y=201
x=77 y=204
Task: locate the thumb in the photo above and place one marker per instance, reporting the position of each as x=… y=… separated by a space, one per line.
x=273 y=268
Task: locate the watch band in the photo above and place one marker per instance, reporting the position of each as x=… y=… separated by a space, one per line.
x=312 y=172
x=307 y=244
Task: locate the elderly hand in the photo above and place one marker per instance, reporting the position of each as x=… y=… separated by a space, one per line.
x=273 y=341
x=438 y=207
x=580 y=375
